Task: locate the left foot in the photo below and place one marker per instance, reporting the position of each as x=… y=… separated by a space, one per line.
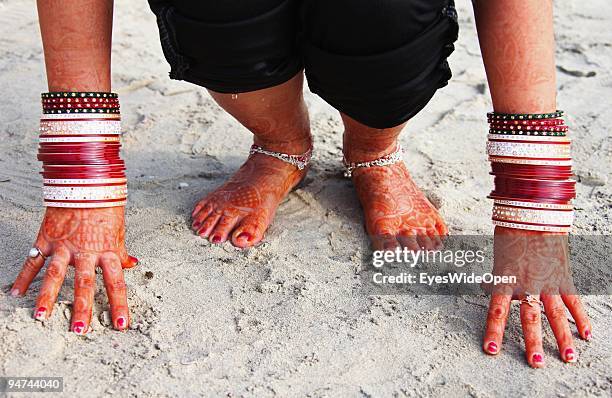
x=397 y=213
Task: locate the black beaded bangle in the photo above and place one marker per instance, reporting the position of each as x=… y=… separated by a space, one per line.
x=529 y=132
x=81 y=110
x=524 y=116
x=89 y=94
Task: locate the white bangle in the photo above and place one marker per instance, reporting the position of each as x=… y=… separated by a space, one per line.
x=533 y=205
x=533 y=216
x=541 y=228
x=80 y=127
x=77 y=193
x=80 y=116
x=528 y=150
x=45 y=140
x=534 y=162
x=85 y=205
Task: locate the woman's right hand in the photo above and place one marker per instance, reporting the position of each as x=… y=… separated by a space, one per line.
x=86 y=239
x=540 y=262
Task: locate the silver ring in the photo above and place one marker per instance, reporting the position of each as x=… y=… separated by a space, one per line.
x=35 y=252
x=530 y=300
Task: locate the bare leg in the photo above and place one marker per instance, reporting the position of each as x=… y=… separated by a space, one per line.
x=518 y=49
x=243 y=208
x=396 y=211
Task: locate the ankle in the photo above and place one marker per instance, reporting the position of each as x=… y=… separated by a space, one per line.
x=355 y=153
x=292 y=145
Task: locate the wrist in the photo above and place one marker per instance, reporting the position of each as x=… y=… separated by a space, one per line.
x=531 y=162
x=79 y=148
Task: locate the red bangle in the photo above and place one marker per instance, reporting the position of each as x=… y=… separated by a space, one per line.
x=84 y=148
x=80 y=106
x=76 y=159
x=508 y=187
x=59 y=168
x=517 y=170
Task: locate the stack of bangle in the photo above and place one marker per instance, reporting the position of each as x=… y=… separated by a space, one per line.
x=79 y=147
x=531 y=161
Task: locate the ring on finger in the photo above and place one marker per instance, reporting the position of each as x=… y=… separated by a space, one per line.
x=35 y=252
x=530 y=300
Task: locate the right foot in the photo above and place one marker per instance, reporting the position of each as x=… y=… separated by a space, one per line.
x=242 y=209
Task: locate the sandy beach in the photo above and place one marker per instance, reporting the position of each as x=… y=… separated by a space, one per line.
x=287 y=318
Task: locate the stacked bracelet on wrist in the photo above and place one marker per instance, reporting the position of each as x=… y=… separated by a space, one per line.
x=79 y=147
x=531 y=161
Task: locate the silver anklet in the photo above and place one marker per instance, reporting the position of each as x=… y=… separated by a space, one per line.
x=386 y=160
x=299 y=161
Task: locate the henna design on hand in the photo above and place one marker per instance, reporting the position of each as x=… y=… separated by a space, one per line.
x=84 y=238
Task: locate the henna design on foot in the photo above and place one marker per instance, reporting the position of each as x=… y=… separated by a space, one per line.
x=242 y=209
x=397 y=213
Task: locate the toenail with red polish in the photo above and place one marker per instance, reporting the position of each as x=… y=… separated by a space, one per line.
x=492 y=347
x=134 y=260
x=216 y=239
x=78 y=327
x=570 y=356
x=121 y=322
x=537 y=358
x=40 y=313
x=588 y=335
x=244 y=235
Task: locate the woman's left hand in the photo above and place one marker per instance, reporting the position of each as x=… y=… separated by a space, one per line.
x=540 y=261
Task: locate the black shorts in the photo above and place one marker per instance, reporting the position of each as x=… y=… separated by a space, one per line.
x=378 y=61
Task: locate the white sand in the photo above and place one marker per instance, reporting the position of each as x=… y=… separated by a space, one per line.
x=287 y=318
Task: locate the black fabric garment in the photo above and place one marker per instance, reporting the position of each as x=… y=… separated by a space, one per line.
x=378 y=61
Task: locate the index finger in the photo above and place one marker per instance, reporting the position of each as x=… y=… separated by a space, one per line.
x=573 y=303
x=31 y=268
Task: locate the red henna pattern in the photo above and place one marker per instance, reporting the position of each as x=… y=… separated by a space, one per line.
x=394 y=205
x=243 y=207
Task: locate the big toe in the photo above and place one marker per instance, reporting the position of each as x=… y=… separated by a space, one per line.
x=250 y=231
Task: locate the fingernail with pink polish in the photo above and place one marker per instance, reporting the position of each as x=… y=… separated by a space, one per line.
x=15 y=292
x=492 y=347
x=570 y=355
x=121 y=323
x=537 y=358
x=587 y=335
x=78 y=327
x=40 y=313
